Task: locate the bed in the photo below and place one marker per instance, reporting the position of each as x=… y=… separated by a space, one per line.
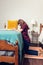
x=5 y=46
x=8 y=43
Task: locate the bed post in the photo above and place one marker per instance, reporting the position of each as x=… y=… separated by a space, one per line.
x=16 y=54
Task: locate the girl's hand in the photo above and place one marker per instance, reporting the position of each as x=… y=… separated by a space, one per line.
x=20 y=30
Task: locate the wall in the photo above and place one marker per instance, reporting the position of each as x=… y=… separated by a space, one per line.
x=25 y=9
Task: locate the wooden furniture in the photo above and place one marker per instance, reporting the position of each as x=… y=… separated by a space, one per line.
x=41 y=26
x=38 y=49
x=11 y=36
x=7 y=47
x=33 y=60
x=41 y=36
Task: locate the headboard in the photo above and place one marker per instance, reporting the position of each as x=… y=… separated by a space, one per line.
x=41 y=26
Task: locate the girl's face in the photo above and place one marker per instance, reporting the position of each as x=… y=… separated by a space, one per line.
x=21 y=22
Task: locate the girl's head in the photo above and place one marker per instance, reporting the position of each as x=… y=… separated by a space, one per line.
x=20 y=21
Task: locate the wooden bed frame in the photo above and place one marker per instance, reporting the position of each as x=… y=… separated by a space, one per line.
x=5 y=46
x=41 y=26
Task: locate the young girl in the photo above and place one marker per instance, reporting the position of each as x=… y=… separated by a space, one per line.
x=26 y=38
x=24 y=31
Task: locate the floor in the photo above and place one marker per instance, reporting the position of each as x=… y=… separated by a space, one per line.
x=33 y=62
x=28 y=62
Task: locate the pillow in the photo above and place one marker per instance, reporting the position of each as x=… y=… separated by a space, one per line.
x=12 y=24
